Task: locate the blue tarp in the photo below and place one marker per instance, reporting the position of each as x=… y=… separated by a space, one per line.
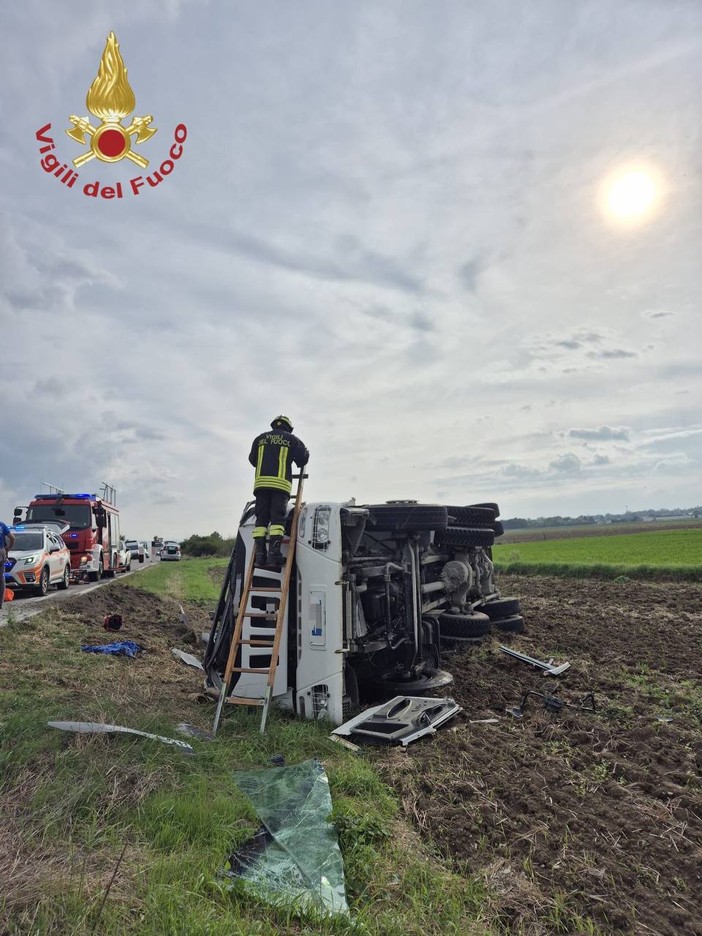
x=126 y=647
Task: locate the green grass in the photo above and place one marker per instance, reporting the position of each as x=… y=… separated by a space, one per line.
x=192 y=580
x=124 y=836
x=677 y=552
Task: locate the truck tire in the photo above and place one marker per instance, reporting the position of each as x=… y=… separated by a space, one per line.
x=427 y=682
x=501 y=608
x=66 y=580
x=514 y=624
x=464 y=536
x=406 y=518
x=476 y=517
x=497 y=528
x=464 y=625
x=490 y=506
x=96 y=576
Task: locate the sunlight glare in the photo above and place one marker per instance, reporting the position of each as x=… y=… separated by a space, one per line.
x=631 y=196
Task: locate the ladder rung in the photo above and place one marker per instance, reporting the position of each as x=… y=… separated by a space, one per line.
x=263 y=588
x=258 y=643
x=252 y=669
x=260 y=614
x=242 y=701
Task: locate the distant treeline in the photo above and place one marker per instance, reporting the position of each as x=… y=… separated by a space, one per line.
x=638 y=516
x=212 y=545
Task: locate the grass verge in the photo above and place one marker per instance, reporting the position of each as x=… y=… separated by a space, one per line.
x=115 y=834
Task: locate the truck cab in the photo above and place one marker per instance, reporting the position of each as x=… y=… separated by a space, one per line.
x=373 y=589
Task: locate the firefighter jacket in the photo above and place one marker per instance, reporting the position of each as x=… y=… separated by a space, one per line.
x=272 y=455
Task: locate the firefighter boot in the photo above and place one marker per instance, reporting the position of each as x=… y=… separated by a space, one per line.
x=275 y=556
x=260 y=557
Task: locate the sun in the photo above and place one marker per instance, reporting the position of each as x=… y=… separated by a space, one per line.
x=631 y=196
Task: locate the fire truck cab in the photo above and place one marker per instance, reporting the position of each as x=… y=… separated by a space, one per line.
x=93 y=537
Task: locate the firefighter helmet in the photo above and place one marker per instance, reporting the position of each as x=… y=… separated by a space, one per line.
x=282 y=422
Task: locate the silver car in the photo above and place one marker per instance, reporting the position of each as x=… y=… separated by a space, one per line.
x=170 y=552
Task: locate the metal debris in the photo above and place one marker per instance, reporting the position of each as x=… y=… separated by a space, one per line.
x=186 y=658
x=549 y=668
x=100 y=728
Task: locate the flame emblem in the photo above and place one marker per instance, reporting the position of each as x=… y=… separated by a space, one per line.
x=110 y=98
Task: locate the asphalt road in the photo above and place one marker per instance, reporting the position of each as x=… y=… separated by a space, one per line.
x=25 y=606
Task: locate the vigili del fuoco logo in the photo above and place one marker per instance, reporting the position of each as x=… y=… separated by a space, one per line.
x=110 y=99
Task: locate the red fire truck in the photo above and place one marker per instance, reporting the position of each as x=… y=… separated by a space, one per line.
x=94 y=537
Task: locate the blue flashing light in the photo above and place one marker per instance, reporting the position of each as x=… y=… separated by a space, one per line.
x=74 y=536
x=65 y=497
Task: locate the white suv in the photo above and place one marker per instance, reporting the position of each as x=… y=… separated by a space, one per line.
x=38 y=558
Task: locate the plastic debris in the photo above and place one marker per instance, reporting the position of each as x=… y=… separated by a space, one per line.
x=100 y=728
x=194 y=732
x=186 y=658
x=400 y=721
x=126 y=647
x=294 y=858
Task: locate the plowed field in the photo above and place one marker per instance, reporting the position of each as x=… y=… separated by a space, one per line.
x=577 y=822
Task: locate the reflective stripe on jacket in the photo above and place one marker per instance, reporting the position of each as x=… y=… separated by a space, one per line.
x=272 y=455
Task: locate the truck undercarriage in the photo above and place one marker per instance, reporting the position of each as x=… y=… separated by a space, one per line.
x=378 y=592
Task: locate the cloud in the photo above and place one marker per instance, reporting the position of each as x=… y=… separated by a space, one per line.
x=566 y=464
x=657 y=314
x=603 y=434
x=611 y=354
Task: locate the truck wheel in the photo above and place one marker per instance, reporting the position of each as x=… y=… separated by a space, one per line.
x=96 y=576
x=481 y=517
x=407 y=518
x=430 y=680
x=514 y=624
x=464 y=536
x=43 y=586
x=490 y=506
x=464 y=625
x=66 y=580
x=501 y=608
x=497 y=528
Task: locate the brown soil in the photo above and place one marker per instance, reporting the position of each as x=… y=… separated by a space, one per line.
x=577 y=822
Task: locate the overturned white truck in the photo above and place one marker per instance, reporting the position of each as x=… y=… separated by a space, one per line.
x=377 y=593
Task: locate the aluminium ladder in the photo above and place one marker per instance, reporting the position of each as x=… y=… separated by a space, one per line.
x=270 y=642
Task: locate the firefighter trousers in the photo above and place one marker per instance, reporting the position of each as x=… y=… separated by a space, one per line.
x=271 y=507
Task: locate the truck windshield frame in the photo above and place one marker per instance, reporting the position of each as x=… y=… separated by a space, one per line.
x=80 y=516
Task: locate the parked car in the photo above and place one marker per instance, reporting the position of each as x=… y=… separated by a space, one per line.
x=39 y=558
x=170 y=552
x=147 y=550
x=133 y=548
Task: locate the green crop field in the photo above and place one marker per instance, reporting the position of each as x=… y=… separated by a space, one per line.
x=677 y=551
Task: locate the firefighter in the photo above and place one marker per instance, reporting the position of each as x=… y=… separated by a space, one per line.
x=272 y=455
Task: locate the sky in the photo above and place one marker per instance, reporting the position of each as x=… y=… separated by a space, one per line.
x=391 y=220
